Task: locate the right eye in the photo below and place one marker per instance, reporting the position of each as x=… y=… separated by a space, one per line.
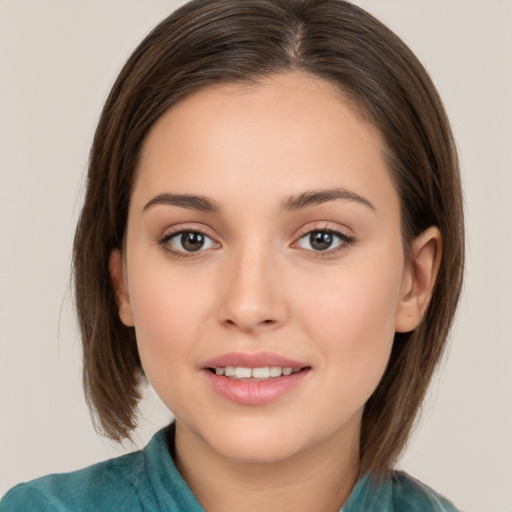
x=188 y=241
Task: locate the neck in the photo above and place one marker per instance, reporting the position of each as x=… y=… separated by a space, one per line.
x=318 y=478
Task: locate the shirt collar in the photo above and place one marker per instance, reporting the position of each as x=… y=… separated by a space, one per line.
x=173 y=493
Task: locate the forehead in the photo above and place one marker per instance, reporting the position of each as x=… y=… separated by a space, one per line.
x=285 y=134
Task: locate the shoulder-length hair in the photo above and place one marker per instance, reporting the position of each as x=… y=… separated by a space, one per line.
x=209 y=42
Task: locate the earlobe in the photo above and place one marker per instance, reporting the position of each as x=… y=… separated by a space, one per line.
x=118 y=277
x=419 y=279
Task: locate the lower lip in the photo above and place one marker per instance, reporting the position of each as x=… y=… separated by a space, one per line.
x=253 y=392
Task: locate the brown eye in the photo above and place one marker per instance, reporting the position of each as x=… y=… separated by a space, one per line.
x=192 y=241
x=323 y=240
x=189 y=241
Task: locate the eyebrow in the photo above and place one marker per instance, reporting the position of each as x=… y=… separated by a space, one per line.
x=316 y=197
x=189 y=201
x=290 y=204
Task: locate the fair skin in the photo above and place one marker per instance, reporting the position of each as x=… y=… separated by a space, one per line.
x=261 y=265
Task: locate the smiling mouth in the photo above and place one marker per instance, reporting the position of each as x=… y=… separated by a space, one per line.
x=255 y=374
x=254 y=379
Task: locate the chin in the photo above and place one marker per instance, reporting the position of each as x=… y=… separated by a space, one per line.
x=257 y=450
x=255 y=442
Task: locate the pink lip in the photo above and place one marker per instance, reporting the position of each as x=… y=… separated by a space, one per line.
x=254 y=392
x=257 y=360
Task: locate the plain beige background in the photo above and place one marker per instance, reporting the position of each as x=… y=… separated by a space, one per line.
x=58 y=59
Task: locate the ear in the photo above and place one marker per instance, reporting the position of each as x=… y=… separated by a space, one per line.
x=419 y=279
x=118 y=276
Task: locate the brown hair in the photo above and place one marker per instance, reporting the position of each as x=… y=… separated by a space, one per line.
x=213 y=41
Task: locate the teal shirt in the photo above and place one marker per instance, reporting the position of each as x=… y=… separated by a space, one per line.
x=148 y=481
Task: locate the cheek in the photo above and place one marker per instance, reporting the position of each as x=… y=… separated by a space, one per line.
x=355 y=301
x=169 y=308
x=352 y=318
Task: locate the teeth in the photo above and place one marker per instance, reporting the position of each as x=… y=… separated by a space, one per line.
x=240 y=372
x=261 y=373
x=243 y=373
x=275 y=371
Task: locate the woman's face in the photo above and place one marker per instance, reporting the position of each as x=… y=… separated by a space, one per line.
x=264 y=237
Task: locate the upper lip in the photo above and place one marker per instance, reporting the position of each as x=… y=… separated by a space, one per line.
x=256 y=360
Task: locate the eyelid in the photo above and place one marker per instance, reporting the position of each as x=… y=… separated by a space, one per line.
x=196 y=227
x=324 y=226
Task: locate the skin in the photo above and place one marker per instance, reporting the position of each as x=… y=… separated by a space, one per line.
x=259 y=285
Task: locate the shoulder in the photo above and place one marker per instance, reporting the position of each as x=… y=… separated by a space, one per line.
x=114 y=484
x=411 y=495
x=146 y=480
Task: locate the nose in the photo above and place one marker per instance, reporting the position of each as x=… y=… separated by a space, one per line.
x=252 y=297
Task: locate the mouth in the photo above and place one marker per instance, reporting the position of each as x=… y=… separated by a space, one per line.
x=263 y=373
x=254 y=379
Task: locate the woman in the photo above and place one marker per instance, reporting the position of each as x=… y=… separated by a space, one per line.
x=272 y=235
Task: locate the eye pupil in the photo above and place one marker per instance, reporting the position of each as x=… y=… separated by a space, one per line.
x=321 y=240
x=192 y=241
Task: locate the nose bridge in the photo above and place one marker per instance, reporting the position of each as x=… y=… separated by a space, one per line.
x=252 y=296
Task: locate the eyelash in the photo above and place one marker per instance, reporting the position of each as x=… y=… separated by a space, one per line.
x=344 y=241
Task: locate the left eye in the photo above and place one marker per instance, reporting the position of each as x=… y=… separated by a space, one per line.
x=322 y=240
x=190 y=241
